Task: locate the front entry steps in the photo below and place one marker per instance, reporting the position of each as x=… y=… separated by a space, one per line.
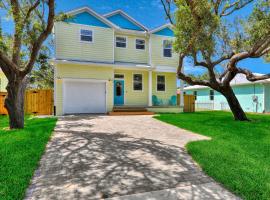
x=124 y=110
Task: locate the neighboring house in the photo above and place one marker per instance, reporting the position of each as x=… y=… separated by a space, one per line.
x=253 y=96
x=102 y=61
x=3 y=81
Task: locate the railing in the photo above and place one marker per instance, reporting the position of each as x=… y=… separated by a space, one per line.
x=211 y=105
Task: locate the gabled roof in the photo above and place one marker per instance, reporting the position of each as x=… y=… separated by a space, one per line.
x=125 y=15
x=240 y=79
x=160 y=28
x=93 y=13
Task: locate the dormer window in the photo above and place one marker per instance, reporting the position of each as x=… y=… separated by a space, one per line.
x=140 y=44
x=86 y=35
x=121 y=42
x=167 y=48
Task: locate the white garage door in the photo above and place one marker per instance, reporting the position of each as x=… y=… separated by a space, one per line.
x=84 y=97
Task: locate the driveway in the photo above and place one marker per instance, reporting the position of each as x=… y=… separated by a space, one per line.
x=120 y=157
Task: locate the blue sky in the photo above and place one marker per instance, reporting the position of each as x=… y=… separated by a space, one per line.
x=150 y=13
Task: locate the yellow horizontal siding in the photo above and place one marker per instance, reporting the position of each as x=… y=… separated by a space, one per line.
x=83 y=72
x=134 y=98
x=69 y=46
x=130 y=53
x=3 y=82
x=170 y=86
x=157 y=52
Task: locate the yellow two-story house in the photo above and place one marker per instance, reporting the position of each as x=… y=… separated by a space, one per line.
x=103 y=61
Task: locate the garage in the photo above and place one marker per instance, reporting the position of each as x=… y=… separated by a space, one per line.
x=84 y=96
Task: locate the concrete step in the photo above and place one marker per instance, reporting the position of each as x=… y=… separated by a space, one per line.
x=129 y=109
x=131 y=113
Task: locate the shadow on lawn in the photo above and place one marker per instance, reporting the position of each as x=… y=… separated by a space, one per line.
x=80 y=164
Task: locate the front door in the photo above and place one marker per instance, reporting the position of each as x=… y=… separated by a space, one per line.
x=119 y=87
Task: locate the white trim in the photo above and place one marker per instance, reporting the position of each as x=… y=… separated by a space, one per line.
x=133 y=73
x=168 y=25
x=87 y=42
x=115 y=65
x=136 y=44
x=92 y=12
x=121 y=37
x=121 y=12
x=160 y=68
x=83 y=80
x=164 y=83
x=54 y=85
x=150 y=88
x=113 y=46
x=150 y=50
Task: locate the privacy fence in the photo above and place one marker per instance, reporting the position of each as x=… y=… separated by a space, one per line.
x=189 y=102
x=37 y=102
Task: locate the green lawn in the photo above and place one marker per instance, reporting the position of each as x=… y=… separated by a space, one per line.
x=238 y=156
x=20 y=151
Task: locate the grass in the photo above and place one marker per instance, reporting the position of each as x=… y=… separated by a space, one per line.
x=238 y=156
x=20 y=152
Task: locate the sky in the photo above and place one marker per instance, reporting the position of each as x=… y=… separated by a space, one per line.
x=151 y=14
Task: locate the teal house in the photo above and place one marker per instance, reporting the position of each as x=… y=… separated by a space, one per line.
x=253 y=97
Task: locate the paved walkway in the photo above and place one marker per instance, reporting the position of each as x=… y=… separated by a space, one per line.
x=120 y=157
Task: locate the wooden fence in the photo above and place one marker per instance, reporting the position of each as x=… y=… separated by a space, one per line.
x=38 y=102
x=189 y=102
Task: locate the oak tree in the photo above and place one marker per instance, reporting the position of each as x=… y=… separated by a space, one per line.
x=207 y=35
x=33 y=22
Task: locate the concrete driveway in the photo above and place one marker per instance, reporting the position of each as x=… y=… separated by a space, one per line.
x=120 y=157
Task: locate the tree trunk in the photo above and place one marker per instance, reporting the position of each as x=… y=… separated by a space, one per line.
x=238 y=113
x=14 y=102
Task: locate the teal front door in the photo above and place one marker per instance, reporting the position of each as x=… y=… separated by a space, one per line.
x=119 y=92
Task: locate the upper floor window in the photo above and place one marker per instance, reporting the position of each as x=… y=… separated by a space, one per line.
x=86 y=35
x=167 y=48
x=211 y=95
x=161 y=83
x=140 y=44
x=121 y=42
x=137 y=82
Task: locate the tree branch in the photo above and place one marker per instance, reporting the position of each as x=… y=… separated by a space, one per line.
x=37 y=44
x=252 y=77
x=167 y=10
x=188 y=79
x=237 y=5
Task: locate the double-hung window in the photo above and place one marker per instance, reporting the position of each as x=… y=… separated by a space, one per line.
x=140 y=44
x=167 y=48
x=86 y=35
x=121 y=42
x=161 y=87
x=137 y=82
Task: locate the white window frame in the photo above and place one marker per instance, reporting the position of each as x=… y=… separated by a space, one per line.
x=164 y=82
x=121 y=37
x=133 y=82
x=140 y=44
x=88 y=35
x=166 y=48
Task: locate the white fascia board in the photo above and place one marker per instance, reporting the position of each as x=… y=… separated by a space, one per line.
x=131 y=32
x=168 y=25
x=165 y=69
x=127 y=16
x=92 y=12
x=94 y=64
